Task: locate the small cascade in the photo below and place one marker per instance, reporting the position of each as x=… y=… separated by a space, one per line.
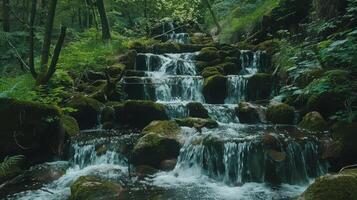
x=224 y=113
x=236 y=88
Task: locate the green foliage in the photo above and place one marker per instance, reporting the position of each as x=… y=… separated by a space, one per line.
x=9 y=163
x=19 y=87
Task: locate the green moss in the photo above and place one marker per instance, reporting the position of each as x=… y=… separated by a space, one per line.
x=165 y=128
x=208 y=54
x=270 y=46
x=196 y=109
x=259 y=86
x=211 y=71
x=344 y=134
x=313 y=121
x=281 y=114
x=93 y=188
x=215 y=89
x=70 y=125
x=193 y=122
x=230 y=68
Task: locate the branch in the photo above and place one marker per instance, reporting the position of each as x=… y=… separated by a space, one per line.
x=169 y=31
x=17 y=17
x=18 y=55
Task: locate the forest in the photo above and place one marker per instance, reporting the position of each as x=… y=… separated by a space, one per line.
x=178 y=99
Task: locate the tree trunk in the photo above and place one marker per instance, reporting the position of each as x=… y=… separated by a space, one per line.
x=45 y=54
x=31 y=39
x=6 y=15
x=104 y=20
x=219 y=29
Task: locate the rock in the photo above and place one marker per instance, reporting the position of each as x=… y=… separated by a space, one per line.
x=230 y=68
x=249 y=113
x=192 y=122
x=30 y=129
x=138 y=114
x=215 y=89
x=281 y=113
x=134 y=73
x=313 y=121
x=201 y=38
x=159 y=143
x=168 y=165
x=196 y=109
x=12 y=169
x=114 y=71
x=134 y=87
x=208 y=54
x=212 y=71
x=271 y=141
x=339 y=186
x=143 y=171
x=259 y=86
x=87 y=111
x=92 y=76
x=128 y=59
x=326 y=103
x=70 y=125
x=94 y=188
x=276 y=155
x=108 y=114
x=167 y=47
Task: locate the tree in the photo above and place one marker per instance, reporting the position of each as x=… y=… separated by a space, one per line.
x=103 y=19
x=46 y=71
x=208 y=4
x=5 y=15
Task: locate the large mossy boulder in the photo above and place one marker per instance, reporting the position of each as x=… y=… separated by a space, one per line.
x=197 y=122
x=249 y=113
x=212 y=71
x=313 y=121
x=159 y=143
x=86 y=112
x=128 y=59
x=215 y=89
x=138 y=114
x=30 y=129
x=259 y=86
x=94 y=188
x=208 y=54
x=70 y=125
x=230 y=68
x=339 y=186
x=196 y=109
x=280 y=113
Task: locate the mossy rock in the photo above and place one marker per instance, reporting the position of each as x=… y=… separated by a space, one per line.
x=259 y=86
x=166 y=128
x=208 y=54
x=87 y=111
x=215 y=89
x=94 y=188
x=326 y=103
x=156 y=145
x=212 y=71
x=167 y=47
x=281 y=113
x=12 y=169
x=339 y=186
x=108 y=114
x=70 y=125
x=197 y=122
x=230 y=68
x=36 y=127
x=138 y=114
x=128 y=59
x=313 y=121
x=200 y=38
x=247 y=113
x=308 y=76
x=115 y=70
x=196 y=109
x=270 y=46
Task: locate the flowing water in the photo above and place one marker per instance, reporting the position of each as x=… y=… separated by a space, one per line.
x=233 y=161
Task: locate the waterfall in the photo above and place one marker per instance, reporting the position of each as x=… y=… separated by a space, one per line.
x=236 y=87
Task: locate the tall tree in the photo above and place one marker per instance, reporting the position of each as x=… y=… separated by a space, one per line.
x=104 y=20
x=214 y=17
x=6 y=15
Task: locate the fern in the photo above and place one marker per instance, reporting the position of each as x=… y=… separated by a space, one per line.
x=9 y=163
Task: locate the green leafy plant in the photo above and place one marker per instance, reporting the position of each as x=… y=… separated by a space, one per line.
x=9 y=164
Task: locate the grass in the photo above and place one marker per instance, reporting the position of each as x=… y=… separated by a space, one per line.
x=18 y=87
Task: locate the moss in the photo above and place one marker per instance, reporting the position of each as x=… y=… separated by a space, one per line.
x=313 y=121
x=211 y=71
x=208 y=54
x=259 y=86
x=215 y=89
x=166 y=128
x=138 y=114
x=333 y=187
x=70 y=125
x=308 y=76
x=167 y=47
x=192 y=122
x=116 y=69
x=93 y=188
x=247 y=113
x=196 y=109
x=270 y=46
x=281 y=114
x=230 y=68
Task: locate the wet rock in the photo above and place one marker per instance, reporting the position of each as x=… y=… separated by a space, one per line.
x=87 y=111
x=313 y=121
x=276 y=155
x=134 y=87
x=128 y=59
x=271 y=141
x=259 y=86
x=230 y=68
x=249 y=113
x=70 y=125
x=108 y=114
x=93 y=188
x=143 y=171
x=208 y=54
x=168 y=165
x=134 y=73
x=30 y=129
x=94 y=76
x=201 y=38
x=197 y=122
x=212 y=71
x=167 y=47
x=12 y=168
x=339 y=186
x=159 y=143
x=215 y=89
x=138 y=114
x=281 y=113
x=196 y=109
x=114 y=71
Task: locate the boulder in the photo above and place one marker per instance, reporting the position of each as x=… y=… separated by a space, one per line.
x=281 y=113
x=70 y=125
x=208 y=54
x=87 y=110
x=30 y=129
x=128 y=59
x=313 y=121
x=196 y=109
x=339 y=186
x=167 y=47
x=168 y=165
x=197 y=122
x=138 y=114
x=159 y=143
x=249 y=113
x=115 y=70
x=92 y=76
x=215 y=89
x=230 y=68
x=108 y=114
x=212 y=71
x=259 y=86
x=94 y=188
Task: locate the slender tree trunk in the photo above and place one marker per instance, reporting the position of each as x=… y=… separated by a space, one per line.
x=45 y=54
x=31 y=39
x=6 y=15
x=104 y=20
x=208 y=4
